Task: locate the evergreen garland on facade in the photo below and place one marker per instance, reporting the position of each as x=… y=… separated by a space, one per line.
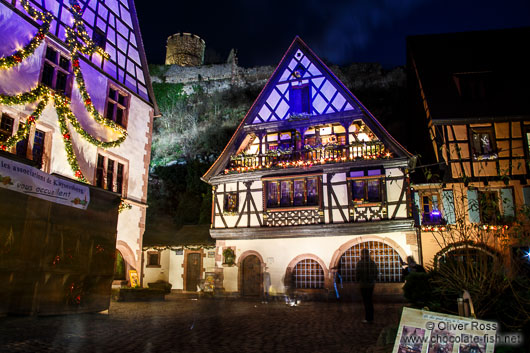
x=61 y=102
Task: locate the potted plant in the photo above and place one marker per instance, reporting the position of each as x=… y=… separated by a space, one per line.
x=229 y=256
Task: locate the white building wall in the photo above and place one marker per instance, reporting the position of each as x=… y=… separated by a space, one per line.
x=278 y=253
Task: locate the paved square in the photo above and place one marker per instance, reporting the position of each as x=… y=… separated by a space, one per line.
x=203 y=325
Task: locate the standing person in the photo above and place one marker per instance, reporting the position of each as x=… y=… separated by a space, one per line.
x=366 y=273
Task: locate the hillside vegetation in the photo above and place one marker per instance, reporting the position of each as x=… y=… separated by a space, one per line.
x=194 y=129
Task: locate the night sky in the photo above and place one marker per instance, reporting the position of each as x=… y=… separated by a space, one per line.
x=339 y=31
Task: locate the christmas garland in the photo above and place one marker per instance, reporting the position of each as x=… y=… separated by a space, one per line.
x=21 y=54
x=61 y=103
x=28 y=97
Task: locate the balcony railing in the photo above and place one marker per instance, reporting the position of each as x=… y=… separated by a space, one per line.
x=307 y=157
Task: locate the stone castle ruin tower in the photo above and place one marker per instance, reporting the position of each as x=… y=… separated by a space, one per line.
x=185 y=49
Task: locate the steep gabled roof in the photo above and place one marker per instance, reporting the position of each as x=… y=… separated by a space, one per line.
x=329 y=96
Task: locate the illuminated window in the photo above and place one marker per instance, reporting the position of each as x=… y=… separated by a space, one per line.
x=430 y=205
x=6 y=127
x=292 y=192
x=57 y=71
x=117 y=105
x=385 y=257
x=308 y=274
x=482 y=142
x=366 y=186
x=231 y=202
x=111 y=174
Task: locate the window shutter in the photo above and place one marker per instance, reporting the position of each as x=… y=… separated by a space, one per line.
x=416 y=209
x=449 y=206
x=473 y=207
x=526 y=196
x=507 y=202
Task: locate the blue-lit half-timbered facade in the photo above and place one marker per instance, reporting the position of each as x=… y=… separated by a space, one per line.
x=309 y=179
x=76 y=100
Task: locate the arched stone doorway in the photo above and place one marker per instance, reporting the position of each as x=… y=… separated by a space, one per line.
x=251 y=276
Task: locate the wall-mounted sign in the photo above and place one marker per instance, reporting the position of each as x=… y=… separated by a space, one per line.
x=211 y=254
x=422 y=331
x=31 y=181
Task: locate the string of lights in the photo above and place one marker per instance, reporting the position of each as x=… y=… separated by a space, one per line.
x=62 y=103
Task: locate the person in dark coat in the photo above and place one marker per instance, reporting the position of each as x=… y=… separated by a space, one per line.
x=366 y=272
x=410 y=267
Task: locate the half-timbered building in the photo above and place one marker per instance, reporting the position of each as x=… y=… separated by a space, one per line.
x=308 y=180
x=76 y=99
x=473 y=98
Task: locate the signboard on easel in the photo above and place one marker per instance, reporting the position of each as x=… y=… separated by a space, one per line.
x=422 y=331
x=133 y=276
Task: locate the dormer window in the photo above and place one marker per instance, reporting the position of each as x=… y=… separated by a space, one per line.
x=299 y=99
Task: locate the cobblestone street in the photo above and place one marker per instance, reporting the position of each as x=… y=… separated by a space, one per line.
x=203 y=325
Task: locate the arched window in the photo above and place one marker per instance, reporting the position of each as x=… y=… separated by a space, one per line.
x=465 y=254
x=308 y=274
x=387 y=260
x=119 y=267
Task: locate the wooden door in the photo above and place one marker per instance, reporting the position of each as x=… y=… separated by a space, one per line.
x=193 y=271
x=251 y=276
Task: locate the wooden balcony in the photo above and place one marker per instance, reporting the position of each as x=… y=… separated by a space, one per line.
x=308 y=157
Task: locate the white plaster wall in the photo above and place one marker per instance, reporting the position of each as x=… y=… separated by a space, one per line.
x=393 y=190
x=278 y=253
x=176 y=270
x=153 y=274
x=341 y=191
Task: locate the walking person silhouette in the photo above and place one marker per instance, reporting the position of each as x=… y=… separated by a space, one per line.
x=366 y=272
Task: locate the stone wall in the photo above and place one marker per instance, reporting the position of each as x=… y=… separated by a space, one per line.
x=211 y=78
x=220 y=77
